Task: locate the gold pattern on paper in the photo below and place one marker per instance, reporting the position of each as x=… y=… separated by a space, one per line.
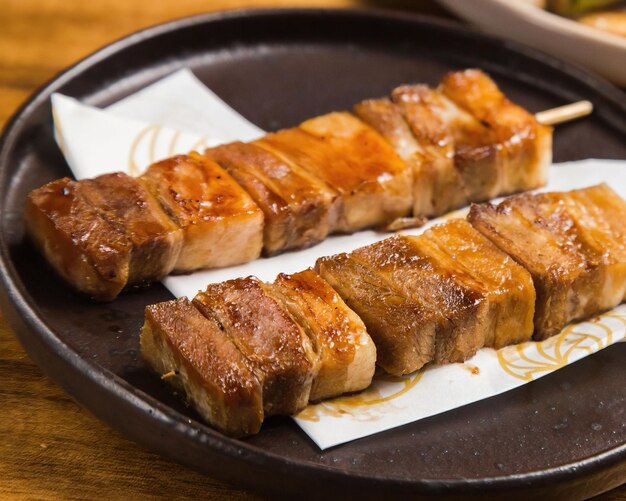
x=526 y=361
x=199 y=143
x=133 y=167
x=152 y=134
x=59 y=131
x=173 y=141
x=153 y=143
x=357 y=404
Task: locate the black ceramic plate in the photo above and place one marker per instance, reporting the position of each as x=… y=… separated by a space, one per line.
x=563 y=435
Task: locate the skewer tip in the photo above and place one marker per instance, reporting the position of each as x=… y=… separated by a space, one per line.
x=565 y=113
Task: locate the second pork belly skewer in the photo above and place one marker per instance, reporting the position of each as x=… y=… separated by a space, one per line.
x=244 y=350
x=436 y=297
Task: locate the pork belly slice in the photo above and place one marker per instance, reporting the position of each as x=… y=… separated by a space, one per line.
x=373 y=183
x=296 y=205
x=457 y=306
x=222 y=225
x=459 y=146
x=525 y=145
x=192 y=353
x=282 y=356
x=402 y=329
x=125 y=203
x=437 y=186
x=576 y=274
x=347 y=353
x=598 y=230
x=507 y=286
x=600 y=215
x=89 y=252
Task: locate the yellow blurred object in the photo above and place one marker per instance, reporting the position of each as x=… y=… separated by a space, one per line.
x=573 y=8
x=611 y=21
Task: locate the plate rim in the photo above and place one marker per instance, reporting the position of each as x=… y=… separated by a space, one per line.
x=29 y=323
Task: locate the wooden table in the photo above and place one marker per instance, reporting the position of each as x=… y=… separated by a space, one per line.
x=50 y=447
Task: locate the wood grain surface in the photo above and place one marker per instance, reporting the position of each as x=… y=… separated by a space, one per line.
x=50 y=447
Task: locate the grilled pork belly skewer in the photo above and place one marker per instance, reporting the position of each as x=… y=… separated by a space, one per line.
x=436 y=298
x=423 y=150
x=573 y=244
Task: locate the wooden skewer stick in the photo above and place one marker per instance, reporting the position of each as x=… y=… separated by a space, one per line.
x=169 y=374
x=565 y=113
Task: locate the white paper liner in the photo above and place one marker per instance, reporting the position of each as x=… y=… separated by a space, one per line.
x=179 y=114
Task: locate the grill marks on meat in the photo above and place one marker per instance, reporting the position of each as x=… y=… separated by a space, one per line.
x=102 y=234
x=244 y=349
x=347 y=353
x=222 y=226
x=298 y=208
x=524 y=145
x=573 y=245
x=435 y=298
x=393 y=320
x=436 y=183
x=125 y=203
x=507 y=286
x=282 y=354
x=373 y=184
x=193 y=353
x=465 y=140
x=447 y=323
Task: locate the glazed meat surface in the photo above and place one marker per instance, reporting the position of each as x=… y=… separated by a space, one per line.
x=282 y=355
x=222 y=225
x=507 y=286
x=457 y=311
x=418 y=152
x=298 y=208
x=192 y=353
x=436 y=183
x=125 y=203
x=525 y=145
x=347 y=353
x=89 y=252
x=373 y=183
x=462 y=168
x=556 y=236
x=396 y=322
